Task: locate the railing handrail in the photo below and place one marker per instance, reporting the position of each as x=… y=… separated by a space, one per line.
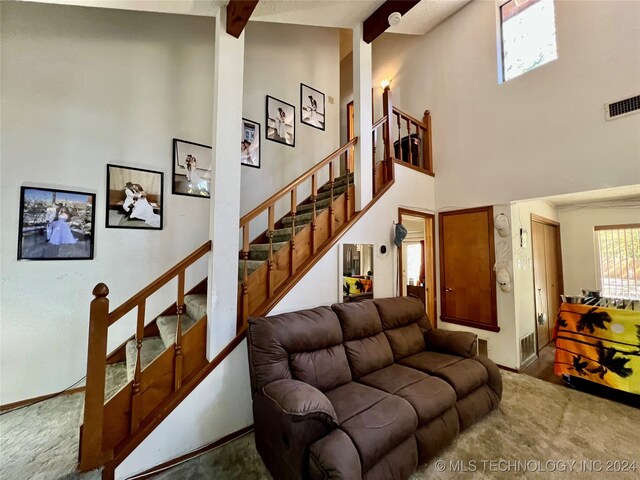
x=378 y=123
x=409 y=117
x=283 y=191
x=161 y=281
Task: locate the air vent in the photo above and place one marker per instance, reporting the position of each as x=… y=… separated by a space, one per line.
x=622 y=107
x=527 y=348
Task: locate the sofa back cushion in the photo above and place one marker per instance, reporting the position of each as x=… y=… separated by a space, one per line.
x=304 y=345
x=404 y=322
x=366 y=345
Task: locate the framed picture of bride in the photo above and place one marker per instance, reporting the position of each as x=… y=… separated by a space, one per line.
x=134 y=198
x=311 y=107
x=281 y=122
x=56 y=224
x=191 y=169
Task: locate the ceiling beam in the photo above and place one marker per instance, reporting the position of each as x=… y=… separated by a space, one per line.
x=378 y=22
x=238 y=14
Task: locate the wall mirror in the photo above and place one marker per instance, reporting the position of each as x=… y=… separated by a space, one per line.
x=357 y=272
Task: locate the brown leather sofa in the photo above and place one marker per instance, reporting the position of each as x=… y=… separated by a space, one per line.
x=362 y=390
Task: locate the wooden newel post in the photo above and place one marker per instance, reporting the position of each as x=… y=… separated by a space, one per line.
x=426 y=143
x=91 y=454
x=387 y=109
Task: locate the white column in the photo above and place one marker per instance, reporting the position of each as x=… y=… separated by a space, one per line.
x=225 y=186
x=362 y=105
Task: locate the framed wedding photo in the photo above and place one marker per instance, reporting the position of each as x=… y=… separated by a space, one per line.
x=134 y=198
x=56 y=224
x=191 y=169
x=250 y=146
x=311 y=107
x=281 y=122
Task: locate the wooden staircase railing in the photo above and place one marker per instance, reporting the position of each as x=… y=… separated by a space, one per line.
x=107 y=425
x=418 y=134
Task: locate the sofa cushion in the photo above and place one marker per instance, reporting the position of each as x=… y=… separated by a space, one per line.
x=464 y=376
x=380 y=428
x=358 y=320
x=406 y=340
x=392 y=378
x=368 y=354
x=325 y=369
x=429 y=398
x=398 y=464
x=429 y=362
x=273 y=339
x=353 y=398
x=433 y=437
x=397 y=312
x=334 y=456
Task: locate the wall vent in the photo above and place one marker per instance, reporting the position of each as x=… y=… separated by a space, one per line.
x=527 y=348
x=483 y=347
x=623 y=107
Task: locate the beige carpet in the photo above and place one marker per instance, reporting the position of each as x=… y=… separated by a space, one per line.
x=540 y=425
x=536 y=422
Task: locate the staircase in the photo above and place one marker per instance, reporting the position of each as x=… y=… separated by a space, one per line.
x=132 y=389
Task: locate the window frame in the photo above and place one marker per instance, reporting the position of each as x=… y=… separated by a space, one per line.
x=598 y=258
x=500 y=43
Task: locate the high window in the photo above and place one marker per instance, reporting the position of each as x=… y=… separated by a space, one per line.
x=619 y=257
x=528 y=29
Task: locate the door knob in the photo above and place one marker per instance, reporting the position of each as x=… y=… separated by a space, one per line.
x=448 y=289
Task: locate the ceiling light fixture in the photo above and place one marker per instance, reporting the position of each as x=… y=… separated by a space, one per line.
x=394 y=19
x=384 y=84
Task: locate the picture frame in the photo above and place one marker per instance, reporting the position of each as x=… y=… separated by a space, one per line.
x=312 y=107
x=56 y=224
x=134 y=198
x=280 y=122
x=250 y=146
x=191 y=173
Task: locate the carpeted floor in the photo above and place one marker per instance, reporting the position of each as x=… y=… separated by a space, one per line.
x=538 y=427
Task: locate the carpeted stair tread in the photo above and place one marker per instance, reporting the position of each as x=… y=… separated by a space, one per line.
x=196 y=305
x=115 y=379
x=284 y=234
x=168 y=324
x=338 y=182
x=152 y=347
x=320 y=205
x=336 y=192
x=301 y=219
x=260 y=251
x=252 y=266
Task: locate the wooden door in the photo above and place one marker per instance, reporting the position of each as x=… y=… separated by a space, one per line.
x=467 y=278
x=547 y=273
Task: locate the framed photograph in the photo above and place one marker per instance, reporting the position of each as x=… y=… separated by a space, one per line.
x=311 y=107
x=56 y=224
x=281 y=122
x=134 y=198
x=250 y=147
x=191 y=169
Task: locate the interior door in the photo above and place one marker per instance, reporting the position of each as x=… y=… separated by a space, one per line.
x=554 y=273
x=467 y=278
x=540 y=283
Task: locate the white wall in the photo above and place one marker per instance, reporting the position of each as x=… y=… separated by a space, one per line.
x=578 y=242
x=278 y=58
x=540 y=134
x=83 y=87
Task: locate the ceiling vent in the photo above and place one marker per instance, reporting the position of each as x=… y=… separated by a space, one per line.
x=623 y=107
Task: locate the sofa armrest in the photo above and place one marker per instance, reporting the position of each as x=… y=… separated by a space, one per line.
x=462 y=344
x=301 y=400
x=334 y=457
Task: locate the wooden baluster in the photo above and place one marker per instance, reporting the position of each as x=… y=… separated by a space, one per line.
x=245 y=274
x=373 y=141
x=314 y=199
x=270 y=263
x=401 y=156
x=347 y=209
x=294 y=210
x=410 y=142
x=135 y=387
x=420 y=159
x=331 y=211
x=387 y=109
x=177 y=371
x=91 y=454
x=426 y=144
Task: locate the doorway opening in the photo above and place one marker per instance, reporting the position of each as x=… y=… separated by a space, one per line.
x=416 y=259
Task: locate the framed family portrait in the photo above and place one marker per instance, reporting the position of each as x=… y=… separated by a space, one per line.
x=311 y=107
x=281 y=122
x=56 y=224
x=250 y=147
x=134 y=198
x=191 y=169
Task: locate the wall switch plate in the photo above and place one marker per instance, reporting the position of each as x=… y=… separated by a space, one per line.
x=331 y=100
x=523 y=238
